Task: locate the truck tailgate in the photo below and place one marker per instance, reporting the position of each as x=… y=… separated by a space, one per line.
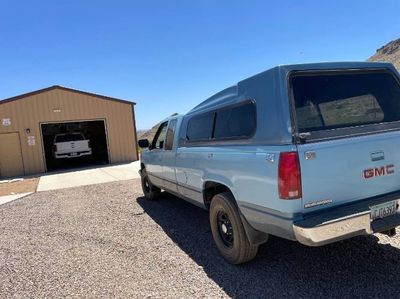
x=341 y=171
x=347 y=124
x=72 y=146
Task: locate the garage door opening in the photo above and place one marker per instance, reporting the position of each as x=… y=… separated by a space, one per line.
x=66 y=145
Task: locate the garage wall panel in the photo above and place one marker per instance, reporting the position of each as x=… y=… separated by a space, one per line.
x=60 y=105
x=11 y=163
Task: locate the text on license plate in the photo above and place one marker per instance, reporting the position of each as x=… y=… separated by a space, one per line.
x=383 y=210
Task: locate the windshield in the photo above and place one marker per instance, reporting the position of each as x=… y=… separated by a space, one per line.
x=69 y=137
x=332 y=100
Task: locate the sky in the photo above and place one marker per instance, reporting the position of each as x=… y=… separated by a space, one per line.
x=168 y=56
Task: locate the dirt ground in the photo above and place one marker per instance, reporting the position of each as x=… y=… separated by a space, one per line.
x=16 y=187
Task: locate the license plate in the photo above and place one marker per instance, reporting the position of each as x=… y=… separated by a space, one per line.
x=73 y=154
x=383 y=210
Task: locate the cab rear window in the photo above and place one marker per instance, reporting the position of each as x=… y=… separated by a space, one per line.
x=69 y=137
x=332 y=100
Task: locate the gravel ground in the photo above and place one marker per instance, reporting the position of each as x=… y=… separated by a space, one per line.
x=106 y=241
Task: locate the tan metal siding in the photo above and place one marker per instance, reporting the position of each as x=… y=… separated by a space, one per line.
x=10 y=155
x=32 y=110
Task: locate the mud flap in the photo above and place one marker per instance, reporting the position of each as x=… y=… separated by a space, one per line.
x=254 y=236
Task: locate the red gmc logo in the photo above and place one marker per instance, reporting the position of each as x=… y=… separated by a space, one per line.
x=378 y=171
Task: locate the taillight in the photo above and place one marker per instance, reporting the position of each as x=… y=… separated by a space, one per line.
x=289 y=181
x=54 y=147
x=89 y=144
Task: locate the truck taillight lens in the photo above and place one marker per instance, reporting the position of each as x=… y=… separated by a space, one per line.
x=289 y=178
x=54 y=147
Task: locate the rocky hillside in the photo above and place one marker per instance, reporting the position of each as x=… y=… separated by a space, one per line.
x=149 y=134
x=389 y=53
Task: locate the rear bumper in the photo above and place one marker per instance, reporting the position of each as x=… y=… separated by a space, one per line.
x=70 y=155
x=345 y=222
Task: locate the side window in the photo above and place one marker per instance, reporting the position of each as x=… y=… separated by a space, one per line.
x=159 y=139
x=169 y=142
x=200 y=127
x=236 y=122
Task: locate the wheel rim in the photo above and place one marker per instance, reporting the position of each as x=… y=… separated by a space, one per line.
x=146 y=184
x=225 y=229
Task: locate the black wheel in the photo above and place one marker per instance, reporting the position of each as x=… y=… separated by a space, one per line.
x=228 y=231
x=149 y=190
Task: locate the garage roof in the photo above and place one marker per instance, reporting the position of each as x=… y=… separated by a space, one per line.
x=66 y=89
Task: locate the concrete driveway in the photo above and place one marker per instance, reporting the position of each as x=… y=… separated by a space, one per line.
x=90 y=176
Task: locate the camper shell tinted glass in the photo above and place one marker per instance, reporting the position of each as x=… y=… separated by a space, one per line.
x=228 y=123
x=200 y=127
x=235 y=122
x=338 y=103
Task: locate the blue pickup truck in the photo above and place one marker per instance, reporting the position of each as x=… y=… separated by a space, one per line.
x=306 y=152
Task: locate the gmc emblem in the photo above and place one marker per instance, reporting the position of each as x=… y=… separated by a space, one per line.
x=378 y=171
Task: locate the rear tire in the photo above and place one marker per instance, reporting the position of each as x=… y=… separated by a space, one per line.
x=150 y=191
x=228 y=232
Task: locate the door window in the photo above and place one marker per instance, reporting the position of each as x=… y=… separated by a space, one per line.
x=159 y=139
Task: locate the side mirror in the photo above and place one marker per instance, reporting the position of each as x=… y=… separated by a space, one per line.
x=144 y=143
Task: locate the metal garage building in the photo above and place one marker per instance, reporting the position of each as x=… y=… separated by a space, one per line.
x=29 y=122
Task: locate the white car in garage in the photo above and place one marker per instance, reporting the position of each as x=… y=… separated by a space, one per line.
x=71 y=145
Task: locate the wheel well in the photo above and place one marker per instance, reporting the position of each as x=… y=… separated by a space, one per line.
x=211 y=189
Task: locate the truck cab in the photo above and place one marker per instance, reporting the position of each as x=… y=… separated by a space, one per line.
x=305 y=152
x=160 y=158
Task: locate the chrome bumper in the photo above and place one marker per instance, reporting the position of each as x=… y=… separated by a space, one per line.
x=324 y=229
